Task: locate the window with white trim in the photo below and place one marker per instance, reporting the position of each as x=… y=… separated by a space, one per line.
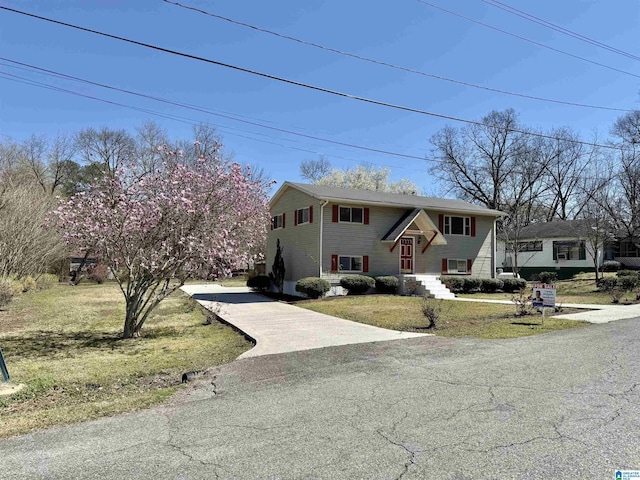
x=351 y=215
x=276 y=222
x=302 y=216
x=456 y=266
x=350 y=263
x=457 y=225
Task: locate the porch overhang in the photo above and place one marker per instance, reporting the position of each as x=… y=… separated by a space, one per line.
x=425 y=225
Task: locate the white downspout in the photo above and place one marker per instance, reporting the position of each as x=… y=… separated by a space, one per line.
x=322 y=205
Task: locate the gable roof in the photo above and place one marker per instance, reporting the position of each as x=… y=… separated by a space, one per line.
x=554 y=229
x=421 y=220
x=371 y=197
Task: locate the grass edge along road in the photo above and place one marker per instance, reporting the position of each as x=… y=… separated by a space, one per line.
x=64 y=344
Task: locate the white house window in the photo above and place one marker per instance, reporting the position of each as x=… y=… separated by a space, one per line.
x=352 y=214
x=569 y=250
x=457 y=225
x=302 y=215
x=532 y=246
x=456 y=266
x=350 y=264
x=277 y=221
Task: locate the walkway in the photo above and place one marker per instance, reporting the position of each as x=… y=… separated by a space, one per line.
x=278 y=327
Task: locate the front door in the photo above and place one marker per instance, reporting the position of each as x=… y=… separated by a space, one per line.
x=406 y=255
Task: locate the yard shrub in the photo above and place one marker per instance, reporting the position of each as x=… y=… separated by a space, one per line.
x=313 y=287
x=628 y=283
x=454 y=283
x=547 y=277
x=97 y=273
x=260 y=283
x=611 y=266
x=46 y=281
x=512 y=285
x=431 y=309
x=607 y=284
x=387 y=284
x=7 y=291
x=357 y=284
x=28 y=284
x=471 y=284
x=627 y=273
x=490 y=285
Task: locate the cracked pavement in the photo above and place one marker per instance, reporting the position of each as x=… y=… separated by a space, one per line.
x=561 y=405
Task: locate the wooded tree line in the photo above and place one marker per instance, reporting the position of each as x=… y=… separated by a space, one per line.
x=35 y=171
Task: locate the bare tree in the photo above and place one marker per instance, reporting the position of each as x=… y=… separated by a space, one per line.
x=108 y=149
x=314 y=170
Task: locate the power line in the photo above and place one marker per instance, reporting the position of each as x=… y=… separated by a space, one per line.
x=557 y=28
x=24 y=80
x=390 y=65
x=209 y=112
x=528 y=40
x=289 y=81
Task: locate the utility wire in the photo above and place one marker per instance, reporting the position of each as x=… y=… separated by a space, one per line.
x=27 y=81
x=390 y=65
x=557 y=28
x=209 y=112
x=292 y=82
x=529 y=40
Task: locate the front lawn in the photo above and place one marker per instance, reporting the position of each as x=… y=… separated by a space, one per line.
x=581 y=289
x=64 y=344
x=459 y=319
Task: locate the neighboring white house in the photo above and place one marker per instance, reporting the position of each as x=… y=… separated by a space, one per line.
x=556 y=246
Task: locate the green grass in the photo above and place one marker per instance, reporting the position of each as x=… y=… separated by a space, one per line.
x=64 y=345
x=458 y=319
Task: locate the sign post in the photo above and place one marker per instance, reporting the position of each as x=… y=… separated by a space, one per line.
x=544 y=296
x=3 y=368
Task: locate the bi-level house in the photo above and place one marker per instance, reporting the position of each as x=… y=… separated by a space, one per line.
x=330 y=232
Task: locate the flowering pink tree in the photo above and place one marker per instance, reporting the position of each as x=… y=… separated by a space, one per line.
x=155 y=230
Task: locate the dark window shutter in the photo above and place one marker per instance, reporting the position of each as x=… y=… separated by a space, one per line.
x=583 y=251
x=334 y=217
x=444 y=264
x=441 y=223
x=555 y=251
x=271 y=223
x=334 y=263
x=365 y=263
x=473 y=226
x=295 y=218
x=311 y=214
x=469 y=265
x=283 y=220
x=366 y=216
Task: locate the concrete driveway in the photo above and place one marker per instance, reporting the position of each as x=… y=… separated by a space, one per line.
x=278 y=327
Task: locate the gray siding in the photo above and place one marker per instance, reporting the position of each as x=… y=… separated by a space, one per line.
x=358 y=239
x=300 y=243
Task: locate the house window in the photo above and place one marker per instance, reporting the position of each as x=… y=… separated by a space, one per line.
x=302 y=216
x=533 y=246
x=277 y=221
x=456 y=266
x=569 y=250
x=457 y=225
x=352 y=214
x=350 y=264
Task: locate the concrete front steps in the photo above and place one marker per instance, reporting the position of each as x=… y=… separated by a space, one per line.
x=429 y=285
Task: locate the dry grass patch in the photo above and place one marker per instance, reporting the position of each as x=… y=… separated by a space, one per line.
x=66 y=348
x=458 y=319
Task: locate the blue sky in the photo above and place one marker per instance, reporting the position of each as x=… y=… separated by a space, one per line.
x=406 y=33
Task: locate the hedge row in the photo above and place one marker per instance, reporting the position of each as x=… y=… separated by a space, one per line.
x=486 y=285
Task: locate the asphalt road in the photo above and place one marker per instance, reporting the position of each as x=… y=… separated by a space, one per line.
x=564 y=406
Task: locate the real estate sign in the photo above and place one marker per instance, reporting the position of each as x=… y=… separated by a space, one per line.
x=544 y=295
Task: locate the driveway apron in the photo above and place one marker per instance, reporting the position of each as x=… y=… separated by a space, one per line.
x=278 y=327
